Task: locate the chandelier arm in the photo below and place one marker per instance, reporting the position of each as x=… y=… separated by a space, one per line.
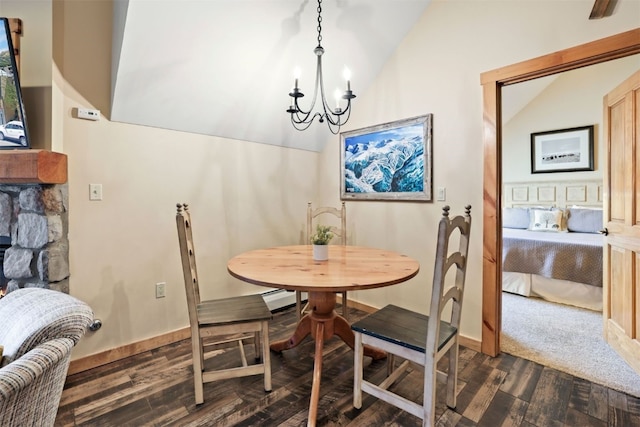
x=347 y=111
x=308 y=118
x=335 y=118
x=318 y=79
x=334 y=124
x=299 y=113
x=303 y=125
x=300 y=125
x=334 y=128
x=325 y=106
x=331 y=116
x=315 y=92
x=334 y=131
x=334 y=115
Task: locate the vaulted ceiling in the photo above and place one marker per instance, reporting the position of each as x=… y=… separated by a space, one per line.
x=225 y=67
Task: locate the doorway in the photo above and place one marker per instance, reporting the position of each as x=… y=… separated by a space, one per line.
x=618 y=46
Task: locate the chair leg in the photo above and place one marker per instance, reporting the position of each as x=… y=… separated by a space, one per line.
x=345 y=308
x=429 y=392
x=266 y=358
x=358 y=361
x=300 y=309
x=452 y=376
x=298 y=305
x=256 y=345
x=198 y=366
x=201 y=352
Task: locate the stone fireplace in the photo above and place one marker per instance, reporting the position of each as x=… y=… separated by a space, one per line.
x=34 y=220
x=34 y=217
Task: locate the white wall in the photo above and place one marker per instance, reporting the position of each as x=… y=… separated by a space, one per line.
x=437 y=70
x=247 y=195
x=573 y=99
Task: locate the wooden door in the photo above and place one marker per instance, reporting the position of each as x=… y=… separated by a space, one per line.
x=622 y=220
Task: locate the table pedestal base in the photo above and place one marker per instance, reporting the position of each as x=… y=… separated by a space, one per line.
x=322 y=324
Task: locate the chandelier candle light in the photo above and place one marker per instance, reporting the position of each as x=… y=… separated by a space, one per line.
x=302 y=119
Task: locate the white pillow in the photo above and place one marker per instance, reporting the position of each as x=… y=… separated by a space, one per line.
x=582 y=220
x=515 y=218
x=543 y=220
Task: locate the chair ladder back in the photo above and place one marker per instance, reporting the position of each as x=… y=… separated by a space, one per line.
x=188 y=256
x=460 y=259
x=339 y=232
x=445 y=261
x=341 y=213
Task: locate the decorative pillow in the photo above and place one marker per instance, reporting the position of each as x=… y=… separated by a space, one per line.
x=543 y=220
x=582 y=220
x=515 y=218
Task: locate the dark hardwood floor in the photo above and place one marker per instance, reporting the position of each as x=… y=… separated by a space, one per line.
x=156 y=389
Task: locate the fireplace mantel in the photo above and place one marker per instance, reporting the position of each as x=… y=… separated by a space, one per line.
x=32 y=166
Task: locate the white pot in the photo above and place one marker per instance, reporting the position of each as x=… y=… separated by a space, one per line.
x=320 y=252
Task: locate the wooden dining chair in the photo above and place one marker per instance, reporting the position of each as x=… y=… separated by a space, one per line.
x=416 y=338
x=235 y=319
x=340 y=237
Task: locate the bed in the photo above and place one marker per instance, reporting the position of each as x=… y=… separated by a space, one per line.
x=552 y=249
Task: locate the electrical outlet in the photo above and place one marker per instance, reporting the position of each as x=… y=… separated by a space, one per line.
x=160 y=289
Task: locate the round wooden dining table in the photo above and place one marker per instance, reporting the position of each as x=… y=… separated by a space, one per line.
x=348 y=268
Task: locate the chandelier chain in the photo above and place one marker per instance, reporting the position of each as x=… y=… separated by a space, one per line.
x=319 y=22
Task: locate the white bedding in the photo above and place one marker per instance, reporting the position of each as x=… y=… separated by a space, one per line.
x=561 y=291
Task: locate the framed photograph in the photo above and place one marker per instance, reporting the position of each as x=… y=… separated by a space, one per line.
x=564 y=150
x=13 y=123
x=391 y=161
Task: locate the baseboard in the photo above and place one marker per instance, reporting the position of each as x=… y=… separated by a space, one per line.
x=115 y=354
x=360 y=306
x=471 y=343
x=99 y=359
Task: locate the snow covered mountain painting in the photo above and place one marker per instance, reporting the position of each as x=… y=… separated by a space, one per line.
x=390 y=161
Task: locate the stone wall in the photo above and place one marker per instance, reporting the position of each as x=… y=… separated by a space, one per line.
x=35 y=217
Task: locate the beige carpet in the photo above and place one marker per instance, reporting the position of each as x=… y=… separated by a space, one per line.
x=565 y=338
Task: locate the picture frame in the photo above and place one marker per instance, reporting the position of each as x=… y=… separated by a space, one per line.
x=13 y=121
x=390 y=161
x=563 y=150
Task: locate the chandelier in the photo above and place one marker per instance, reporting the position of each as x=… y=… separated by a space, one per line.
x=335 y=117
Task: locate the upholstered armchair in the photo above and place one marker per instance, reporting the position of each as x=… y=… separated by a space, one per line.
x=38 y=330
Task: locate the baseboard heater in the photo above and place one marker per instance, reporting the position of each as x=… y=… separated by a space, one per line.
x=279 y=299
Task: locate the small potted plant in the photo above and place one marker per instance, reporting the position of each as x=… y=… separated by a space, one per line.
x=320 y=241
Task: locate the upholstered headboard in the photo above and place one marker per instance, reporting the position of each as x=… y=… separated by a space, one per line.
x=559 y=194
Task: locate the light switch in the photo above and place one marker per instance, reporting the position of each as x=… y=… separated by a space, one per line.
x=95 y=191
x=442 y=194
